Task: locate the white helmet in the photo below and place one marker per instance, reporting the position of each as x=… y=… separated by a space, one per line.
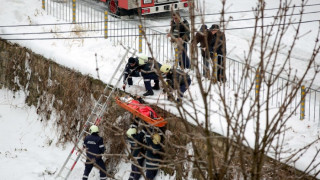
x=94 y=129
x=165 y=68
x=142 y=59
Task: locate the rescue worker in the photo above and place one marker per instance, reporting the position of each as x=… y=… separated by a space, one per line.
x=154 y=141
x=204 y=36
x=94 y=148
x=148 y=71
x=180 y=35
x=131 y=70
x=176 y=79
x=135 y=138
x=218 y=45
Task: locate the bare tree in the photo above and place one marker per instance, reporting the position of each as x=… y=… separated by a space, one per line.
x=244 y=103
x=253 y=120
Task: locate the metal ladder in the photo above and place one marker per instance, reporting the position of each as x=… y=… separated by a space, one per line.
x=94 y=119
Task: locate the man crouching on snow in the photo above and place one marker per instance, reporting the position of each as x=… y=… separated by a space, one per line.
x=148 y=71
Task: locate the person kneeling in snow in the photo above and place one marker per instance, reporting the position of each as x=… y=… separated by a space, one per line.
x=131 y=70
x=148 y=71
x=176 y=79
x=94 y=148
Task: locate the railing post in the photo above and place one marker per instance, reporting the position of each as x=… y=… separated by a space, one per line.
x=258 y=83
x=215 y=67
x=106 y=24
x=43 y=5
x=73 y=11
x=302 y=105
x=176 y=56
x=140 y=38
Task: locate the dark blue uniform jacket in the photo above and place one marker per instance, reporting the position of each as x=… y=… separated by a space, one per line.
x=218 y=44
x=95 y=145
x=152 y=153
x=131 y=70
x=181 y=30
x=149 y=68
x=177 y=79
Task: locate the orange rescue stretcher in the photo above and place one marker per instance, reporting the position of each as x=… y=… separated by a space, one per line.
x=144 y=112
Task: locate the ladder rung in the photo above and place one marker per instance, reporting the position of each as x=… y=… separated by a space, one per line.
x=60 y=177
x=101 y=107
x=69 y=169
x=98 y=106
x=95 y=113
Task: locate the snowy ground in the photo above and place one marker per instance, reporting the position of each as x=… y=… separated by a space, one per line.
x=21 y=149
x=28 y=149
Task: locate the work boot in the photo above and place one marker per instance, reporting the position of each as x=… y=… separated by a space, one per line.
x=148 y=93
x=156 y=87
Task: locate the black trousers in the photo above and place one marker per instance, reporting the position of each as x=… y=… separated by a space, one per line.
x=151 y=174
x=184 y=62
x=134 y=74
x=147 y=80
x=89 y=166
x=220 y=70
x=135 y=174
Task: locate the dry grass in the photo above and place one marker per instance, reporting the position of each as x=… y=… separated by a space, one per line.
x=72 y=96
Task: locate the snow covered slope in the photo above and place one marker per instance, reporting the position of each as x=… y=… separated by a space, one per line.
x=27 y=146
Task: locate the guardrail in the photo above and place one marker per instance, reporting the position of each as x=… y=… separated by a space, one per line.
x=128 y=33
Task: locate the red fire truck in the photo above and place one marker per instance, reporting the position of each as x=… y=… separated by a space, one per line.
x=124 y=7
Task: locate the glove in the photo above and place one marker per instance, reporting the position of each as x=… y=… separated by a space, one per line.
x=124 y=87
x=168 y=133
x=141 y=100
x=164 y=90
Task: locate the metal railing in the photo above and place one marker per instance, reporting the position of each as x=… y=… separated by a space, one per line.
x=126 y=32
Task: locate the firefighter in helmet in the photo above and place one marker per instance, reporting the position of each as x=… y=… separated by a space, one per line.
x=94 y=146
x=176 y=79
x=154 y=141
x=136 y=137
x=148 y=71
x=132 y=70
